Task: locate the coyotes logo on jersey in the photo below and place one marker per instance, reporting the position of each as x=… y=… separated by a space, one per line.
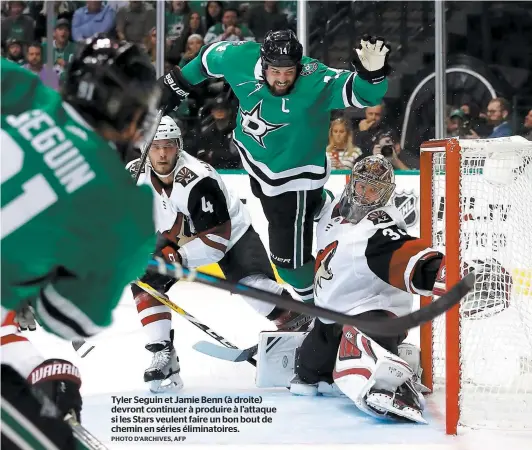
x=322 y=270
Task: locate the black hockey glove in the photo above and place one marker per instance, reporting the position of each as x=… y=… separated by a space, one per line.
x=371 y=59
x=59 y=381
x=174 y=89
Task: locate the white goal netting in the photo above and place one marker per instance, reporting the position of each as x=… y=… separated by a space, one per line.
x=495 y=188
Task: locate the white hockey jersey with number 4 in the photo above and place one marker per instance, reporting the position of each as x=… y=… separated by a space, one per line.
x=366 y=266
x=197 y=204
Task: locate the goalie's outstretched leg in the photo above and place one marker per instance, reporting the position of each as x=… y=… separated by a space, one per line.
x=378 y=381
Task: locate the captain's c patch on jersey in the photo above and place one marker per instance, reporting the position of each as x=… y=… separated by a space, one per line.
x=185 y=176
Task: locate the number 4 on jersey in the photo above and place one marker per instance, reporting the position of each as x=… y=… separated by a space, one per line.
x=206 y=205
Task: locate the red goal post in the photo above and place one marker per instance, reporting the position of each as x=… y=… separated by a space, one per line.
x=476 y=206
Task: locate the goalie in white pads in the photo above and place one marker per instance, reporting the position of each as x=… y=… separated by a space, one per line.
x=199 y=222
x=369 y=267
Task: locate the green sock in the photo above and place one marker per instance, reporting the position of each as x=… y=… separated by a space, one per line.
x=301 y=279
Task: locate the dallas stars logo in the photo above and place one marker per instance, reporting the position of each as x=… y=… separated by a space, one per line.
x=255 y=126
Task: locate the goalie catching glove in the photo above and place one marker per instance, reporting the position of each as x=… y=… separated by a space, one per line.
x=371 y=59
x=491 y=293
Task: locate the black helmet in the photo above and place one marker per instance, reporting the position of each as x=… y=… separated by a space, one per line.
x=109 y=81
x=281 y=49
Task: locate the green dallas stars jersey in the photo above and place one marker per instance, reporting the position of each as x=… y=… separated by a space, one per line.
x=74 y=226
x=282 y=139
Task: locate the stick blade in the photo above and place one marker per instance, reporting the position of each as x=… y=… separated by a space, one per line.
x=228 y=354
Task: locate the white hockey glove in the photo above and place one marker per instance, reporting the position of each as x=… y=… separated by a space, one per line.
x=25 y=317
x=371 y=59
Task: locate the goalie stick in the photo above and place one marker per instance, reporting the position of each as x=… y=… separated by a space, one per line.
x=381 y=327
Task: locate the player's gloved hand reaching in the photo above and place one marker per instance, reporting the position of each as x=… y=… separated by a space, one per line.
x=167 y=249
x=174 y=89
x=25 y=317
x=59 y=381
x=371 y=59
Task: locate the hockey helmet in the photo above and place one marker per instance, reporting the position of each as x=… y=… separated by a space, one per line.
x=108 y=82
x=281 y=49
x=168 y=129
x=371 y=185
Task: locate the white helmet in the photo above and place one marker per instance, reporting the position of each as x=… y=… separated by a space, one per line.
x=168 y=129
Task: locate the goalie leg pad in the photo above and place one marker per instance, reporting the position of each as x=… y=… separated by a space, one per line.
x=411 y=354
x=373 y=378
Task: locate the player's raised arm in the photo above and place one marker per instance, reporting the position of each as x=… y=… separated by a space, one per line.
x=367 y=84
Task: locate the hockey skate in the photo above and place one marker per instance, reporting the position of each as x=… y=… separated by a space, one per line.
x=405 y=404
x=163 y=373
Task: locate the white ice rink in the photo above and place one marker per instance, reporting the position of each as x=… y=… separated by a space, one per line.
x=116 y=366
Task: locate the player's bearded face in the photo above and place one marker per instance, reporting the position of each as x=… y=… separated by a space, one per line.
x=280 y=79
x=163 y=156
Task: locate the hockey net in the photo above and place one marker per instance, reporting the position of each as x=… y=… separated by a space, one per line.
x=476 y=207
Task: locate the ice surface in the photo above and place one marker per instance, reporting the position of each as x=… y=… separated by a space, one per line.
x=116 y=366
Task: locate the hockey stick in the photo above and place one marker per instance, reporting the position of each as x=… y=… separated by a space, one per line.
x=78 y=430
x=228 y=354
x=82 y=347
x=146 y=146
x=383 y=327
x=166 y=301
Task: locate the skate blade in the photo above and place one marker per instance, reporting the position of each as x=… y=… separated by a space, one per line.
x=170 y=384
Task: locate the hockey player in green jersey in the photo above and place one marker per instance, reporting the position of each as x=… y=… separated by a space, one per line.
x=282 y=128
x=72 y=238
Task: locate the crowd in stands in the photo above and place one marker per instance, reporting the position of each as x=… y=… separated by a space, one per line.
x=208 y=118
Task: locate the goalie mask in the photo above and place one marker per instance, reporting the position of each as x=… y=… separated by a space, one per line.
x=371 y=185
x=166 y=148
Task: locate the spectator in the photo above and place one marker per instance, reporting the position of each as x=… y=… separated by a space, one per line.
x=150 y=44
x=498 y=113
x=213 y=14
x=194 y=25
x=134 y=22
x=14 y=51
x=385 y=144
x=35 y=65
x=263 y=18
x=64 y=49
x=62 y=10
x=176 y=20
x=194 y=44
x=215 y=142
x=92 y=19
x=457 y=123
x=178 y=47
x=340 y=150
x=527 y=126
x=369 y=127
x=228 y=30
x=16 y=25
